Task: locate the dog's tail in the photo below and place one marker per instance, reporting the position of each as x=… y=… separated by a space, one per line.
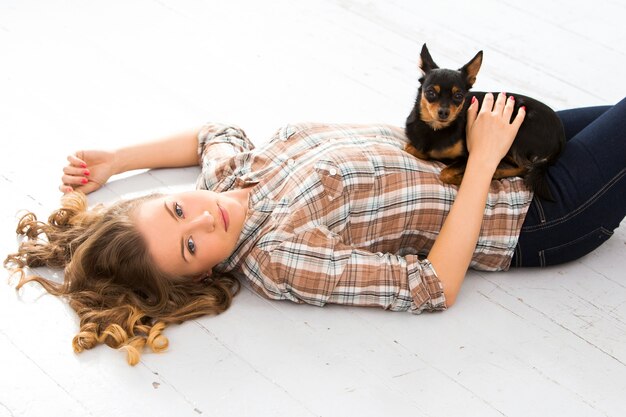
x=535 y=178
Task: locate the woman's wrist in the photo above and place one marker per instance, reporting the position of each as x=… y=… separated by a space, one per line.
x=482 y=163
x=120 y=162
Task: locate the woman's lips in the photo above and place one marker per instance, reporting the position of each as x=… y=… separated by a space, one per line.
x=224 y=217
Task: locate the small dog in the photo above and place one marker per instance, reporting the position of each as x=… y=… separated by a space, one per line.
x=436 y=127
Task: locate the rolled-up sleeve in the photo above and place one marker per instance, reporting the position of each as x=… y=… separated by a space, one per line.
x=389 y=281
x=217 y=145
x=315 y=267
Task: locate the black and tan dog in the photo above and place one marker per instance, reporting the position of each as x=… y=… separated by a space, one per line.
x=436 y=127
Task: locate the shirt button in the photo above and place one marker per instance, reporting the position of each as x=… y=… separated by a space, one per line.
x=291 y=162
x=332 y=172
x=282 y=156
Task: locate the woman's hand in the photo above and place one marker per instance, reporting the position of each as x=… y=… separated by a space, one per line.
x=490 y=133
x=87 y=171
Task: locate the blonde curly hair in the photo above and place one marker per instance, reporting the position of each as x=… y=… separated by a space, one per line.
x=110 y=279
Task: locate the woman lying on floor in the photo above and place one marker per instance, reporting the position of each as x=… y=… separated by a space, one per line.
x=319 y=214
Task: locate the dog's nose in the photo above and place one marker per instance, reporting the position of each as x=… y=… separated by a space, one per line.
x=443 y=113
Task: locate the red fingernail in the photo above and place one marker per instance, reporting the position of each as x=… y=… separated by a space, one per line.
x=83 y=165
x=68 y=189
x=512 y=98
x=86 y=172
x=473 y=99
x=523 y=108
x=84 y=180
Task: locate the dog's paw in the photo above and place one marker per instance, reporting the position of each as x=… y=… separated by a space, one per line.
x=451 y=175
x=410 y=149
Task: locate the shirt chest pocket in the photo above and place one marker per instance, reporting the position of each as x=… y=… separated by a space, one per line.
x=340 y=176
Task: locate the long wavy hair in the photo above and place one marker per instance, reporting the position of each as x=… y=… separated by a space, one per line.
x=110 y=280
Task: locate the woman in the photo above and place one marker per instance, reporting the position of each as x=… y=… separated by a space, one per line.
x=321 y=214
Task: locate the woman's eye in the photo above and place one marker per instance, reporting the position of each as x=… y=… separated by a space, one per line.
x=191 y=245
x=178 y=210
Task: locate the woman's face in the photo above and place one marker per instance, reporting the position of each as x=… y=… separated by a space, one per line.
x=189 y=233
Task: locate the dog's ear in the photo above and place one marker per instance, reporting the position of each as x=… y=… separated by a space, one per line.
x=426 y=61
x=470 y=70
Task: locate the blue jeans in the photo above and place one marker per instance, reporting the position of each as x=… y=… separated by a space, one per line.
x=588 y=182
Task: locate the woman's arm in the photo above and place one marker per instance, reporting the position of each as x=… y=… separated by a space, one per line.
x=489 y=137
x=180 y=150
x=88 y=170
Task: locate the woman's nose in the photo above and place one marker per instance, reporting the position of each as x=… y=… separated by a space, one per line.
x=204 y=221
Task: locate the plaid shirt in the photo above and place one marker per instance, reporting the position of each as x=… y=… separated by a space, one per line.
x=341 y=214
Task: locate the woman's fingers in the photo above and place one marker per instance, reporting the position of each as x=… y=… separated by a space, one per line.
x=472 y=113
x=71 y=183
x=487 y=105
x=500 y=102
x=74 y=180
x=507 y=112
x=505 y=106
x=75 y=174
x=519 y=118
x=74 y=160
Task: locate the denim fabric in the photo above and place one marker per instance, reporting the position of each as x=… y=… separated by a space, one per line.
x=589 y=185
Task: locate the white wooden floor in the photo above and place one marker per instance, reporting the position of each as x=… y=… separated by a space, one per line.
x=79 y=74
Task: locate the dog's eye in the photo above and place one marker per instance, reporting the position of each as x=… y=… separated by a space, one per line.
x=430 y=94
x=458 y=97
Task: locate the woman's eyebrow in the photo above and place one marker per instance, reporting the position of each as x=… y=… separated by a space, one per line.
x=169 y=210
x=182 y=240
